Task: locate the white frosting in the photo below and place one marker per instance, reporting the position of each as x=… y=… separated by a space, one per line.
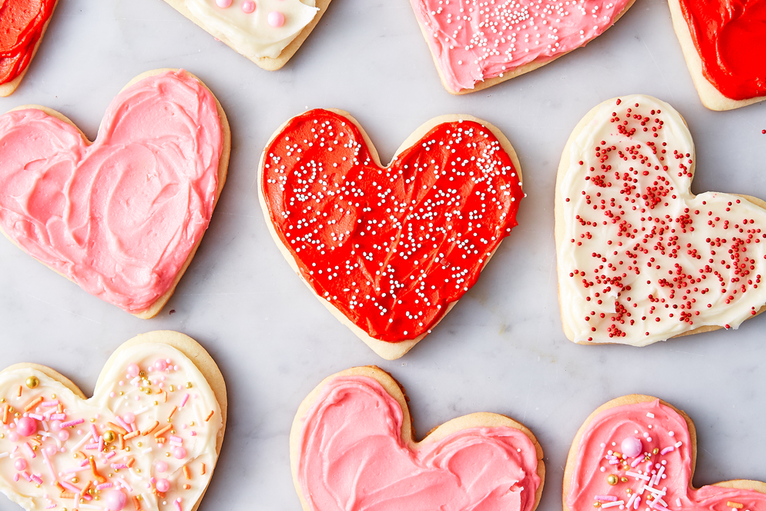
x=624 y=259
x=251 y=32
x=116 y=395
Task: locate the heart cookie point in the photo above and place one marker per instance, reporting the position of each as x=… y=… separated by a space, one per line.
x=503 y=40
x=351 y=441
x=121 y=217
x=658 y=476
x=88 y=447
x=389 y=249
x=640 y=258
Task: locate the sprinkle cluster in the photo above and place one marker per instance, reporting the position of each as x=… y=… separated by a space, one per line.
x=71 y=456
x=650 y=257
x=390 y=247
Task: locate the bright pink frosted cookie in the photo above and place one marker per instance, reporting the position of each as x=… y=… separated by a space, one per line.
x=148 y=439
x=352 y=442
x=638 y=453
x=478 y=44
x=123 y=216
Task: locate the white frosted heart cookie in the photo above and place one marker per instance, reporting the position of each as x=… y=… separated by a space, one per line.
x=123 y=216
x=148 y=439
x=268 y=32
x=640 y=258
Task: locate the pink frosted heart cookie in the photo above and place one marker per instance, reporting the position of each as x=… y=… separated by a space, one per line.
x=352 y=447
x=638 y=453
x=147 y=440
x=123 y=216
x=640 y=258
x=478 y=44
x=268 y=32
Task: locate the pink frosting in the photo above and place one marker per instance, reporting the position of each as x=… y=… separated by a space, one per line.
x=473 y=41
x=119 y=216
x=663 y=468
x=352 y=456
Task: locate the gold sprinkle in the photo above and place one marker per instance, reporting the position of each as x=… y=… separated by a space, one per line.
x=188 y=384
x=172 y=388
x=156 y=403
x=140 y=444
x=623 y=479
x=612 y=479
x=75 y=480
x=127 y=448
x=735 y=505
x=191 y=423
x=656 y=450
x=53 y=396
x=122 y=393
x=142 y=374
x=2 y=400
x=597 y=504
x=93 y=420
x=109 y=436
x=32 y=382
x=167 y=454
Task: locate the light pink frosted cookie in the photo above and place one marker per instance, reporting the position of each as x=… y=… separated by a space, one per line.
x=147 y=440
x=122 y=216
x=477 y=44
x=352 y=442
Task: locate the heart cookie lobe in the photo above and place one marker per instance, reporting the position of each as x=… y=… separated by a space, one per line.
x=640 y=258
x=389 y=248
x=637 y=452
x=268 y=32
x=476 y=45
x=148 y=439
x=22 y=25
x=352 y=447
x=123 y=216
x=723 y=46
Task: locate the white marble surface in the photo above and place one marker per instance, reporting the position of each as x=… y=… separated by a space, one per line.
x=501 y=349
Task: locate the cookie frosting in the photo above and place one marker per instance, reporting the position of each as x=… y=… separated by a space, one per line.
x=352 y=456
x=261 y=28
x=119 y=216
x=146 y=440
x=390 y=247
x=473 y=41
x=640 y=258
x=728 y=36
x=639 y=457
x=21 y=25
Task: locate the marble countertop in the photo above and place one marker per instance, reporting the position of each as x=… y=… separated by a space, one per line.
x=501 y=349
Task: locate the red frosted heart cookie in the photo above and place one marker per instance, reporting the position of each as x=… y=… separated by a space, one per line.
x=477 y=44
x=123 y=216
x=268 y=32
x=723 y=46
x=638 y=453
x=148 y=439
x=389 y=249
x=352 y=447
x=22 y=25
x=640 y=258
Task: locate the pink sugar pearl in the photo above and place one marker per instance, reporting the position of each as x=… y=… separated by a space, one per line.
x=162 y=485
x=223 y=4
x=248 y=6
x=26 y=426
x=116 y=500
x=20 y=464
x=276 y=19
x=631 y=446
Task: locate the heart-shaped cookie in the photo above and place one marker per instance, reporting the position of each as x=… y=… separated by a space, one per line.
x=638 y=453
x=389 y=250
x=476 y=44
x=123 y=216
x=640 y=258
x=352 y=447
x=268 y=32
x=22 y=26
x=147 y=440
x=724 y=51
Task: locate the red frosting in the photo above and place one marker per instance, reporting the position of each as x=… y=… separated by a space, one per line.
x=390 y=247
x=21 y=26
x=729 y=36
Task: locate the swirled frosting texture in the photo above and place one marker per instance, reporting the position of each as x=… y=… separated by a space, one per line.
x=352 y=458
x=119 y=216
x=389 y=247
x=640 y=258
x=729 y=36
x=657 y=476
x=21 y=26
x=473 y=40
